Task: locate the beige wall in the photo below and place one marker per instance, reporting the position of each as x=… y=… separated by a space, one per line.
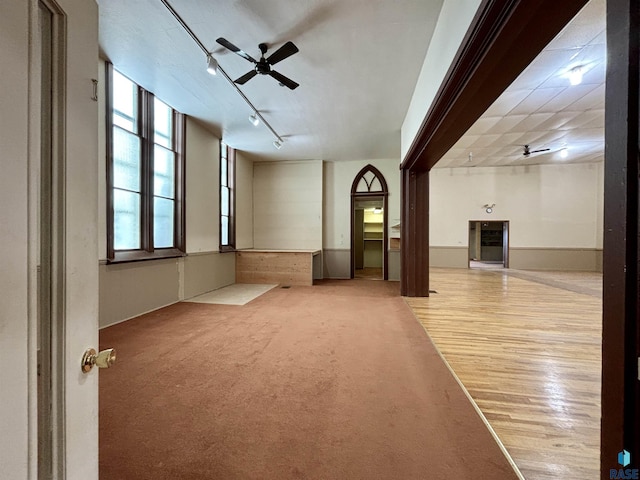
x=244 y=201
x=287 y=205
x=549 y=207
x=338 y=177
x=203 y=189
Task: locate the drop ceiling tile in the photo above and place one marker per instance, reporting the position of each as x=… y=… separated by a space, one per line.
x=484 y=141
x=506 y=124
x=588 y=119
x=536 y=99
x=548 y=139
x=582 y=30
x=558 y=120
x=506 y=102
x=531 y=138
x=555 y=60
x=596 y=122
x=531 y=122
x=457 y=153
x=592 y=100
x=483 y=124
x=567 y=98
x=466 y=141
x=585 y=134
x=509 y=139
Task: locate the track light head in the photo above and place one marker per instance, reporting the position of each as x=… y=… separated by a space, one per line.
x=212 y=65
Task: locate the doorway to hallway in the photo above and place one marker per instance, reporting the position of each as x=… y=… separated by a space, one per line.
x=369 y=239
x=488 y=244
x=368 y=242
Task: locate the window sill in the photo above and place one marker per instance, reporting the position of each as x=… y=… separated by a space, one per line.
x=125 y=256
x=227 y=249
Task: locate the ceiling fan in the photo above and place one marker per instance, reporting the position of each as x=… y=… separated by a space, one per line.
x=263 y=66
x=528 y=151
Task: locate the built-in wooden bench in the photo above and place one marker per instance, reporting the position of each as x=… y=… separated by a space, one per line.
x=286 y=267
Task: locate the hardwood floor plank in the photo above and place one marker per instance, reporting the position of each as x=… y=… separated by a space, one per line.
x=527 y=347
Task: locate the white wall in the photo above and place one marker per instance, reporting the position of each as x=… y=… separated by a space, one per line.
x=244 y=201
x=548 y=206
x=287 y=205
x=453 y=22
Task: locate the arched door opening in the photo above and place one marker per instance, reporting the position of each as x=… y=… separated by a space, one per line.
x=369 y=218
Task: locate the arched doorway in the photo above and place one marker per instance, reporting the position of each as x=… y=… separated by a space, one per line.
x=369 y=221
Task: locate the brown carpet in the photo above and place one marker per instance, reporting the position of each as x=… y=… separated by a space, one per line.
x=334 y=381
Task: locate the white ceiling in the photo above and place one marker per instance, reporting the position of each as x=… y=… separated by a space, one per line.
x=542 y=109
x=357 y=68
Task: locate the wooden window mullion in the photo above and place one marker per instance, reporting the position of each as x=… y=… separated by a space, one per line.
x=147 y=170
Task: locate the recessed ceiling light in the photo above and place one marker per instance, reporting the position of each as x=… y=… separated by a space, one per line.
x=254 y=120
x=575 y=75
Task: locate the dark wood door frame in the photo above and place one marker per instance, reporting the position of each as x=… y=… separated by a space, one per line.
x=503 y=39
x=383 y=193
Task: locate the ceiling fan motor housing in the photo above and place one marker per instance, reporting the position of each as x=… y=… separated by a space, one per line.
x=262 y=67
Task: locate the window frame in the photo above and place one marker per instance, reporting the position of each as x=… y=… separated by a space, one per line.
x=145 y=131
x=230 y=246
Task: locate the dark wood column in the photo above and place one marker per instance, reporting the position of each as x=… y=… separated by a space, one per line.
x=414 y=234
x=621 y=296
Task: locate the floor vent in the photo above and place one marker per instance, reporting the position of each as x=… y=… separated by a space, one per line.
x=285 y=286
x=432 y=291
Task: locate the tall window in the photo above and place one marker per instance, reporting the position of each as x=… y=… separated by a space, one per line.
x=227 y=197
x=145 y=141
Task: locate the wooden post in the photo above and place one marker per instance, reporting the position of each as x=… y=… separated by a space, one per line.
x=621 y=296
x=414 y=236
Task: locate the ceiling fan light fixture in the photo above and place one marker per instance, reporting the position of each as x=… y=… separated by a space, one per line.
x=277 y=144
x=564 y=152
x=212 y=65
x=575 y=75
x=254 y=120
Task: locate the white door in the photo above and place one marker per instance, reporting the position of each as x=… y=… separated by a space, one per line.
x=74 y=246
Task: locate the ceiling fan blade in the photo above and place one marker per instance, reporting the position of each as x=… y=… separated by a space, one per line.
x=246 y=77
x=230 y=46
x=283 y=52
x=284 y=80
x=540 y=150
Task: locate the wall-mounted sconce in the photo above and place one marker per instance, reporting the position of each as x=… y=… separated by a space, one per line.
x=488 y=208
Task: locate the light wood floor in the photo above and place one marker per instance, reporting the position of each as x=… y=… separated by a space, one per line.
x=526 y=345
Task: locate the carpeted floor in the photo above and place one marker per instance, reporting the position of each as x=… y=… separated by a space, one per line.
x=334 y=381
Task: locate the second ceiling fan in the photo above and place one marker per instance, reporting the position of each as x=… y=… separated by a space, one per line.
x=263 y=66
